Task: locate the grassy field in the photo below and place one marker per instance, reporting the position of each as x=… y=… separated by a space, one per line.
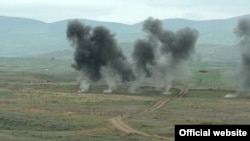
x=38 y=114
x=39 y=101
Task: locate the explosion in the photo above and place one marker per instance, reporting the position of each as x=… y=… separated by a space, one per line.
x=156 y=60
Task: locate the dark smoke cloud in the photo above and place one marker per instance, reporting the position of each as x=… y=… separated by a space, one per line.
x=180 y=44
x=156 y=59
x=159 y=55
x=96 y=49
x=144 y=56
x=152 y=26
x=242 y=30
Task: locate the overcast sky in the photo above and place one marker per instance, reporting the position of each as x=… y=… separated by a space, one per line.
x=123 y=11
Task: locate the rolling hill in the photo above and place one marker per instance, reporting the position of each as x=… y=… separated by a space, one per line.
x=22 y=36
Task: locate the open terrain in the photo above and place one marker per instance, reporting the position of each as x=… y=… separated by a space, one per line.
x=39 y=100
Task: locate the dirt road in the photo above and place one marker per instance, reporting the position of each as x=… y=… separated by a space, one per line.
x=119 y=124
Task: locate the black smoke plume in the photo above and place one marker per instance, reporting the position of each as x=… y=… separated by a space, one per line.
x=242 y=30
x=180 y=44
x=144 y=56
x=96 y=50
x=162 y=52
x=156 y=59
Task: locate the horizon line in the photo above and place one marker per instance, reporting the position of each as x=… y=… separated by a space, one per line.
x=67 y=19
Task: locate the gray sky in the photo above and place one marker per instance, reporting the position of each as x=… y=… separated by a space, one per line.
x=123 y=11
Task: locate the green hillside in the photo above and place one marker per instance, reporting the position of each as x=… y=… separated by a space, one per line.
x=21 y=36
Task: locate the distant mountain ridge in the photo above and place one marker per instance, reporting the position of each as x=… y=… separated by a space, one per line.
x=22 y=36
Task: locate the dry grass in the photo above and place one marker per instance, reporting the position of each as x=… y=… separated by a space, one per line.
x=46 y=112
x=32 y=109
x=199 y=109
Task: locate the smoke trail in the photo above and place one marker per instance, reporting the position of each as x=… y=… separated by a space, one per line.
x=242 y=30
x=95 y=50
x=160 y=55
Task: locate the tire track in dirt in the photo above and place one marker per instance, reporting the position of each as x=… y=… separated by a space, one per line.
x=124 y=127
x=120 y=125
